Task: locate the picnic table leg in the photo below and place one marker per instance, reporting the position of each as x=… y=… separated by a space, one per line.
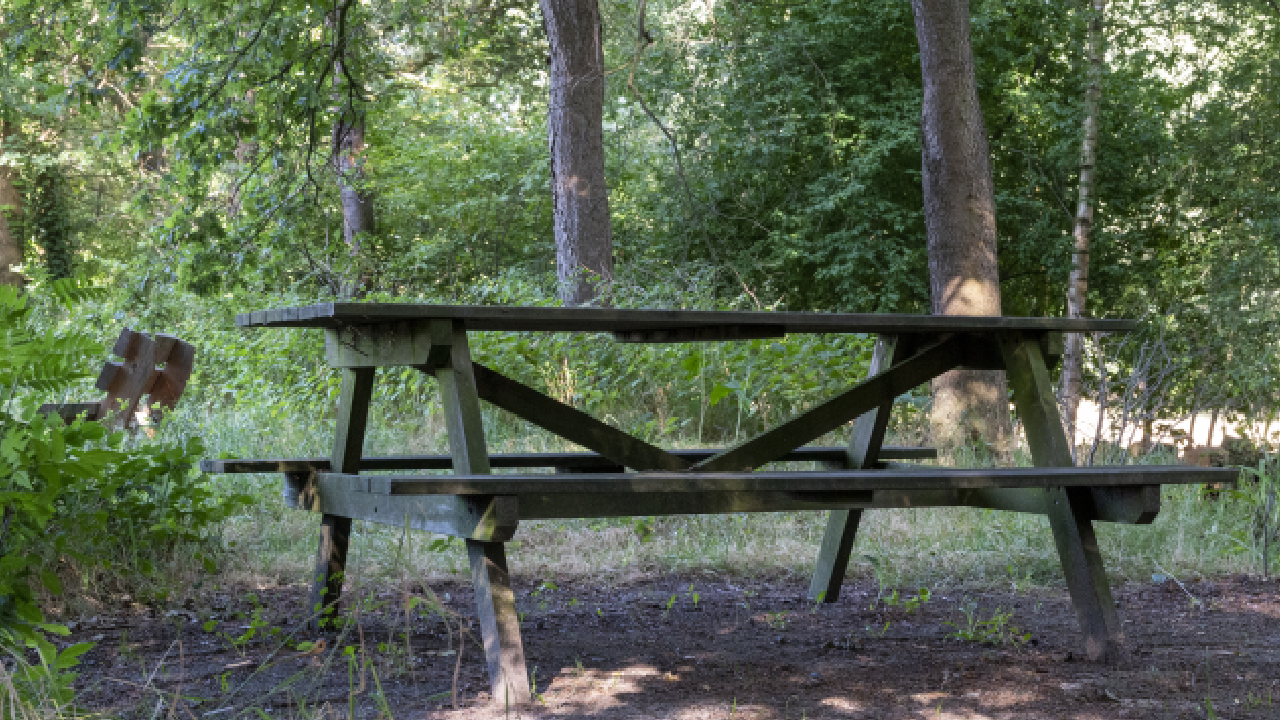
x=499 y=622
x=1068 y=508
x=495 y=600
x=335 y=531
x=864 y=447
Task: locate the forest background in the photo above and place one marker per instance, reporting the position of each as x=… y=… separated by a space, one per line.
x=184 y=156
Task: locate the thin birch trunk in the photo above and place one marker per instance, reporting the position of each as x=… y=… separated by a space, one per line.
x=1078 y=285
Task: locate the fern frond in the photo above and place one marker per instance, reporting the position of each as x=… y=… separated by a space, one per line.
x=72 y=291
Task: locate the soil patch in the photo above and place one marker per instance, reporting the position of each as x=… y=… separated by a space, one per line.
x=701 y=646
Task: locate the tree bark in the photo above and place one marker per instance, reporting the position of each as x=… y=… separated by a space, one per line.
x=960 y=217
x=11 y=215
x=575 y=115
x=1078 y=284
x=357 y=201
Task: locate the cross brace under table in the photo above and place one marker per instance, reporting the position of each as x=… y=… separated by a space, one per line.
x=485 y=509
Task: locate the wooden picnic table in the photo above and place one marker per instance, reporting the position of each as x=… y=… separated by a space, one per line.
x=623 y=475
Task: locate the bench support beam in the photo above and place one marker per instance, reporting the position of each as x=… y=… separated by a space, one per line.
x=1069 y=509
x=864 y=450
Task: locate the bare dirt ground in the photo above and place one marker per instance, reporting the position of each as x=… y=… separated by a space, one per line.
x=701 y=646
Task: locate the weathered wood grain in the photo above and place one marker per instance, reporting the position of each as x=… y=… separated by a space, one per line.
x=862 y=453
x=495 y=602
x=571 y=423
x=335 y=528
x=390 y=344
x=809 y=481
x=552 y=319
x=567 y=460
x=1069 y=509
x=499 y=624
x=495 y=519
x=487 y=518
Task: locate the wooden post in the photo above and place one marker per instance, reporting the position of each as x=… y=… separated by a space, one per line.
x=499 y=623
x=495 y=600
x=1068 y=508
x=864 y=447
x=335 y=531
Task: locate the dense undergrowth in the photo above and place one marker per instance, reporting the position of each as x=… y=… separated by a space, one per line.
x=137 y=523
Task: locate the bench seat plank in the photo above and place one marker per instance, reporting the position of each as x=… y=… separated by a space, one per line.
x=816 y=481
x=566 y=460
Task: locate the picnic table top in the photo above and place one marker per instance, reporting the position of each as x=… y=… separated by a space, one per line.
x=589 y=319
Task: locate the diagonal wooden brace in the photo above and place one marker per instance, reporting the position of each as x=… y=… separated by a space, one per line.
x=863 y=453
x=926 y=364
x=571 y=424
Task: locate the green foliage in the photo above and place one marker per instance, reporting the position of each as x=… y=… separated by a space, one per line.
x=909 y=604
x=995 y=630
x=50 y=221
x=73 y=492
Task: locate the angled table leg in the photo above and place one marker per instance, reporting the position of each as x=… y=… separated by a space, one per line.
x=495 y=600
x=864 y=447
x=1068 y=509
x=335 y=531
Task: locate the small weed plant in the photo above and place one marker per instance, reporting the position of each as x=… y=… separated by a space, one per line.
x=909 y=603
x=995 y=630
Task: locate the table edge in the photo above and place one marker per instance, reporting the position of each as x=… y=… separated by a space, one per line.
x=561 y=319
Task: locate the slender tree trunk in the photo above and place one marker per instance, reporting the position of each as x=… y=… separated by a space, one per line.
x=575 y=115
x=1078 y=285
x=11 y=214
x=357 y=201
x=960 y=217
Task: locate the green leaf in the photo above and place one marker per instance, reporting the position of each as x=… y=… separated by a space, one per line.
x=70 y=657
x=51 y=582
x=718 y=393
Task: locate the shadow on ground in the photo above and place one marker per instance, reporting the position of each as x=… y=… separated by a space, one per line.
x=701 y=646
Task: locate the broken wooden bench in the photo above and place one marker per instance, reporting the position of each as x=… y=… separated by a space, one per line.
x=155 y=367
x=623 y=475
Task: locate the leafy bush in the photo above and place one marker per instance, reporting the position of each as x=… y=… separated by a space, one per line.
x=71 y=492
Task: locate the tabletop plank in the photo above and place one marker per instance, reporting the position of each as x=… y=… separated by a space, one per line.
x=633 y=324
x=819 y=481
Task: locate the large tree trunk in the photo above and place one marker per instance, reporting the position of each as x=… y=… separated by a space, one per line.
x=357 y=201
x=11 y=213
x=1078 y=285
x=960 y=217
x=584 y=239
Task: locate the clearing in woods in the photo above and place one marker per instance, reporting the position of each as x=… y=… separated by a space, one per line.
x=702 y=645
